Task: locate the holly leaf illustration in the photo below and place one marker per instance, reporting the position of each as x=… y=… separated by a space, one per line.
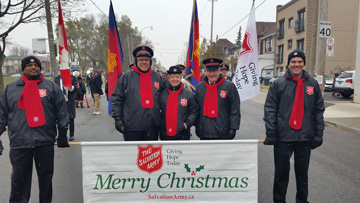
x=200 y=168
x=187 y=168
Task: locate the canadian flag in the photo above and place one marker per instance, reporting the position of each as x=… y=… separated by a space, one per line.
x=246 y=78
x=63 y=52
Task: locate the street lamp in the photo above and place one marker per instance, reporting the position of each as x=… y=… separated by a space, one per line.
x=151 y=27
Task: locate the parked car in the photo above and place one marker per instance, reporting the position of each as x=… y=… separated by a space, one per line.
x=47 y=74
x=344 y=83
x=328 y=83
x=16 y=75
x=277 y=76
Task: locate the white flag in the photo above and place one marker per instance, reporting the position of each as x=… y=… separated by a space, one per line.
x=246 y=78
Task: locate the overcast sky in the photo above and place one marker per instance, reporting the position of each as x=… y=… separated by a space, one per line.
x=170 y=20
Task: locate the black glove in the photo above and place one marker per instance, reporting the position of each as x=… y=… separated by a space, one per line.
x=316 y=142
x=1 y=148
x=270 y=139
x=231 y=134
x=62 y=139
x=119 y=125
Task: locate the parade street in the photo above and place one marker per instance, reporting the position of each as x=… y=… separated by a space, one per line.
x=333 y=174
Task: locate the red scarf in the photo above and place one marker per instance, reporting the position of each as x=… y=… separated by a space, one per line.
x=211 y=99
x=297 y=112
x=171 y=111
x=30 y=101
x=146 y=93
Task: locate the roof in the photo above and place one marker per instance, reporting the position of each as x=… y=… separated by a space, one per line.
x=265 y=28
x=14 y=57
x=225 y=43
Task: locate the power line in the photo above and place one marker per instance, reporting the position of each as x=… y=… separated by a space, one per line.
x=241 y=20
x=98 y=8
x=204 y=8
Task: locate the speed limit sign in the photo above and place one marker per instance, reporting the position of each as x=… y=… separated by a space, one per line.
x=325 y=29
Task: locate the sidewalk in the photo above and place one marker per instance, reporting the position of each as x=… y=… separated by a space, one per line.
x=343 y=115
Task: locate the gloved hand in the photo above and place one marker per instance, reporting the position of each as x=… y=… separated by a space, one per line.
x=70 y=89
x=119 y=125
x=270 y=139
x=1 y=148
x=231 y=134
x=316 y=142
x=62 y=139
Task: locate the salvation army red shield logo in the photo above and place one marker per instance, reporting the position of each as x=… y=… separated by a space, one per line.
x=156 y=84
x=309 y=90
x=42 y=92
x=183 y=102
x=149 y=158
x=223 y=93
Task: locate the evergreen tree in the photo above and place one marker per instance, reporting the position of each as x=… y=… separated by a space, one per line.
x=238 y=41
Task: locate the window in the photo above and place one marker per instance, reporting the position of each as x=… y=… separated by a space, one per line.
x=290 y=44
x=300 y=44
x=268 y=45
x=279 y=56
x=280 y=31
x=291 y=22
x=300 y=23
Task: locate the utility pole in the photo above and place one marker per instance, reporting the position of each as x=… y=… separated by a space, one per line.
x=212 y=21
x=357 y=64
x=321 y=50
x=311 y=67
x=53 y=63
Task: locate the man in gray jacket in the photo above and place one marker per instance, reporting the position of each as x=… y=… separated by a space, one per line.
x=34 y=110
x=294 y=122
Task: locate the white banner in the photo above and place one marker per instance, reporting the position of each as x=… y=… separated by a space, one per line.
x=246 y=77
x=166 y=171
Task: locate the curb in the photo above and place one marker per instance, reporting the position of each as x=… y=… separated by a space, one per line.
x=342 y=127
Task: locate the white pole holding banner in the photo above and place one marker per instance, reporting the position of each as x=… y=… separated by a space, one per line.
x=170 y=171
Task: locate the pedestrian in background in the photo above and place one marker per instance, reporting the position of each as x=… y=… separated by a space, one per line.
x=294 y=122
x=34 y=110
x=70 y=97
x=184 y=82
x=81 y=90
x=224 y=68
x=96 y=88
x=179 y=109
x=333 y=85
x=135 y=101
x=219 y=103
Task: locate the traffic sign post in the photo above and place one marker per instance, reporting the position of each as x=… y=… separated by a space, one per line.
x=325 y=29
x=330 y=50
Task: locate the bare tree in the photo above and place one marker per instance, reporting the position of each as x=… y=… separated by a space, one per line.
x=19 y=50
x=23 y=11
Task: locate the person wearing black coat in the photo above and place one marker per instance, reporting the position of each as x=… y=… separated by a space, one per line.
x=70 y=97
x=34 y=110
x=81 y=90
x=96 y=89
x=179 y=109
x=219 y=103
x=135 y=100
x=294 y=122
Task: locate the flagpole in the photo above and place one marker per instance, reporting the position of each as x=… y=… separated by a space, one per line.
x=80 y=143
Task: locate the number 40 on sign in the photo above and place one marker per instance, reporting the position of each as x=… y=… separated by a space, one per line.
x=325 y=29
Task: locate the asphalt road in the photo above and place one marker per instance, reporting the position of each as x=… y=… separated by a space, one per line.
x=334 y=169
